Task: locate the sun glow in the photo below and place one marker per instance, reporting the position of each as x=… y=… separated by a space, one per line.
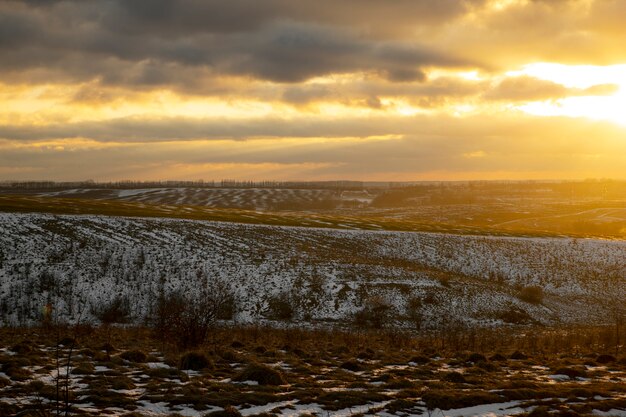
x=610 y=107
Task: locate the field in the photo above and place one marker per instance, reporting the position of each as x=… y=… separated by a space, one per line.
x=299 y=302
x=581 y=209
x=253 y=371
x=316 y=275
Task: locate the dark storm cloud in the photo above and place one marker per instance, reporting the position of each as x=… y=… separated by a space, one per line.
x=291 y=53
x=214 y=16
x=290 y=41
x=282 y=41
x=17 y=29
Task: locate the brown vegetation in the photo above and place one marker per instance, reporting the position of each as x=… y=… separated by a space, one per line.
x=389 y=370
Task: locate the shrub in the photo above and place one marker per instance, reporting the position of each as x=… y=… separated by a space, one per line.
x=187 y=319
x=375 y=313
x=229 y=355
x=515 y=315
x=85 y=368
x=134 y=356
x=87 y=352
x=122 y=382
x=604 y=359
x=518 y=355
x=115 y=311
x=228 y=411
x=365 y=355
x=454 y=377
x=353 y=366
x=67 y=342
x=572 y=373
x=21 y=348
x=446 y=400
x=262 y=374
x=107 y=347
x=420 y=360
x=195 y=361
x=47 y=282
x=227 y=308
x=414 y=311
x=498 y=357
x=532 y=294
x=14 y=370
x=400 y=383
x=476 y=357
x=279 y=307
x=487 y=366
x=541 y=411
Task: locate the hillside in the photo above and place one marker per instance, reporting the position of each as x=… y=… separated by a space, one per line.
x=573 y=209
x=78 y=263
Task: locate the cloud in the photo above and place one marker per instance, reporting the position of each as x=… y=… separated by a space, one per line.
x=184 y=16
x=173 y=129
x=526 y=88
x=273 y=40
x=569 y=31
x=198 y=83
x=443 y=147
x=287 y=41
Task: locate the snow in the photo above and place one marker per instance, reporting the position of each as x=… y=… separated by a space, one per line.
x=328 y=274
x=162 y=409
x=157 y=365
x=610 y=413
x=485 y=410
x=559 y=377
x=134 y=192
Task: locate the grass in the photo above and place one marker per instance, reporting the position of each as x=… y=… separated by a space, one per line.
x=262 y=374
x=195 y=361
x=305 y=367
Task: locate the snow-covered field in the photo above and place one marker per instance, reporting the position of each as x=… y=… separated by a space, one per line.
x=79 y=262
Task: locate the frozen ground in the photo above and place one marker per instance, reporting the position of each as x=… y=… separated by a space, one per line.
x=326 y=275
x=323 y=375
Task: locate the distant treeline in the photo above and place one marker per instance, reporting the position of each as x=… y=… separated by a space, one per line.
x=226 y=183
x=461 y=191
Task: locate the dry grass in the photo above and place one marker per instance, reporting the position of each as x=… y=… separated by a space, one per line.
x=396 y=373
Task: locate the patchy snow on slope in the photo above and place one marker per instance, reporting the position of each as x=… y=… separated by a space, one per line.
x=79 y=262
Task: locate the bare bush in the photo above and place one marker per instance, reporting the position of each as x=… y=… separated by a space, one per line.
x=115 y=311
x=186 y=318
x=531 y=294
x=280 y=307
x=375 y=313
x=515 y=315
x=414 y=312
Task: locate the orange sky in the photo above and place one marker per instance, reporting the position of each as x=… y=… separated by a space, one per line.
x=287 y=90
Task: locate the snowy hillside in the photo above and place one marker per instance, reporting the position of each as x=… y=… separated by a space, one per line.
x=77 y=263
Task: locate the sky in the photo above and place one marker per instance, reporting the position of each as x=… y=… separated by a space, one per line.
x=399 y=90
